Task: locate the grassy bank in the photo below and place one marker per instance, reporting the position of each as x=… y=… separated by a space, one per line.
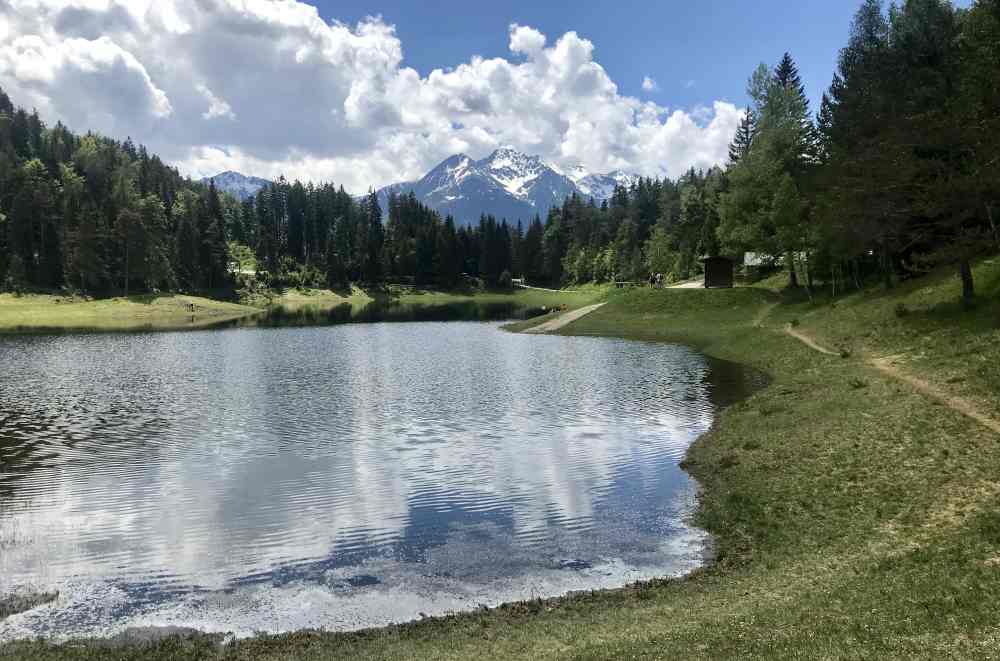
x=41 y=313
x=53 y=313
x=324 y=298
x=855 y=517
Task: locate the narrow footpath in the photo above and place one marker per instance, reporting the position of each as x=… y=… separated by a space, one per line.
x=563 y=320
x=888 y=367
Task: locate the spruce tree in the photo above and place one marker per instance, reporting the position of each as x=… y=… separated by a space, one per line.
x=374 y=239
x=186 y=241
x=336 y=272
x=448 y=265
x=86 y=261
x=744 y=138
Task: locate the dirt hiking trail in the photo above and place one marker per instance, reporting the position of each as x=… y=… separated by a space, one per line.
x=887 y=366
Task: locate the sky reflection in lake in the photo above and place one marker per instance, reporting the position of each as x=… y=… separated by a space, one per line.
x=338 y=477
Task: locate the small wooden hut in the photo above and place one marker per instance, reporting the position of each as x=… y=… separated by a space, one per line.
x=718 y=272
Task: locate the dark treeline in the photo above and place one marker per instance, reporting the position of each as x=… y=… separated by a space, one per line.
x=307 y=235
x=89 y=213
x=303 y=234
x=899 y=170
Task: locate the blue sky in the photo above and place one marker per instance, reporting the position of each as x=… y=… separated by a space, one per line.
x=344 y=91
x=697 y=52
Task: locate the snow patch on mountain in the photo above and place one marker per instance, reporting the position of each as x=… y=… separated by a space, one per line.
x=238 y=185
x=602 y=186
x=506 y=184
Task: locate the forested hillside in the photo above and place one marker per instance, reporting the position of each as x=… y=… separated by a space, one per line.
x=897 y=172
x=901 y=168
x=89 y=213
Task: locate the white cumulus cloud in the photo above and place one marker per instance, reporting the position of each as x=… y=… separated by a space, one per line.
x=216 y=106
x=330 y=101
x=649 y=85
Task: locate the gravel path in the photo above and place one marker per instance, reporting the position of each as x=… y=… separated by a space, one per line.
x=563 y=320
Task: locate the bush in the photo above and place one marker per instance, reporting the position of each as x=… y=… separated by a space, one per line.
x=17 y=275
x=901 y=310
x=505 y=281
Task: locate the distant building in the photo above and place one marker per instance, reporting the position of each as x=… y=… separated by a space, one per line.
x=757 y=260
x=718 y=272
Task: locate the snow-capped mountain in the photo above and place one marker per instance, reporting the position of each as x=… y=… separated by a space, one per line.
x=602 y=186
x=506 y=184
x=238 y=185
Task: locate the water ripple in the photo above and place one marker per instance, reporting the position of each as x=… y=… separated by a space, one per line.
x=211 y=479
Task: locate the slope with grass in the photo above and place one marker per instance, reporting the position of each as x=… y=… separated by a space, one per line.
x=855 y=518
x=54 y=313
x=46 y=313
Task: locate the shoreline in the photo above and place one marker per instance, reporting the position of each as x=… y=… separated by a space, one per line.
x=852 y=516
x=48 y=314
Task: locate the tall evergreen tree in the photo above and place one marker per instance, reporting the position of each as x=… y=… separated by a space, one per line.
x=741 y=144
x=374 y=239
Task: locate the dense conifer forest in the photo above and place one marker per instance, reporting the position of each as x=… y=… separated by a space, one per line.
x=899 y=170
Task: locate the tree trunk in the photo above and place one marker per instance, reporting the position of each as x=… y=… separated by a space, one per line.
x=793 y=278
x=126 y=265
x=993 y=224
x=886 y=265
x=809 y=283
x=968 y=285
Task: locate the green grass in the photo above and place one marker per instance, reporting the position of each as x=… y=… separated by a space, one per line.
x=53 y=313
x=325 y=298
x=524 y=297
x=854 y=518
x=43 y=313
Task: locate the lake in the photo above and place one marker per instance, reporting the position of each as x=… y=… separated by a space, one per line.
x=340 y=477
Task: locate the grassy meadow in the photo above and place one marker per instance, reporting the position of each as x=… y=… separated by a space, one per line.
x=54 y=313
x=61 y=313
x=854 y=517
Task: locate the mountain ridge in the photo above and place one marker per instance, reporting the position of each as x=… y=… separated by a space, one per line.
x=505 y=184
x=237 y=184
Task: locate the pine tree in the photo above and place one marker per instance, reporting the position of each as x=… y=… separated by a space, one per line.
x=132 y=235
x=744 y=137
x=336 y=271
x=448 y=265
x=213 y=250
x=186 y=241
x=531 y=251
x=4 y=252
x=158 y=271
x=786 y=76
x=374 y=235
x=86 y=263
x=30 y=223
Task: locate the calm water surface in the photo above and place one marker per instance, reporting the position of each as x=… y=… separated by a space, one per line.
x=271 y=479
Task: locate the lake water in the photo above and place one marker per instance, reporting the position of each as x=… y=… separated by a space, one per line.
x=339 y=477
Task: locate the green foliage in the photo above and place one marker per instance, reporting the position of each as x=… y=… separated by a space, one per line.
x=88 y=212
x=909 y=135
x=17 y=275
x=242 y=257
